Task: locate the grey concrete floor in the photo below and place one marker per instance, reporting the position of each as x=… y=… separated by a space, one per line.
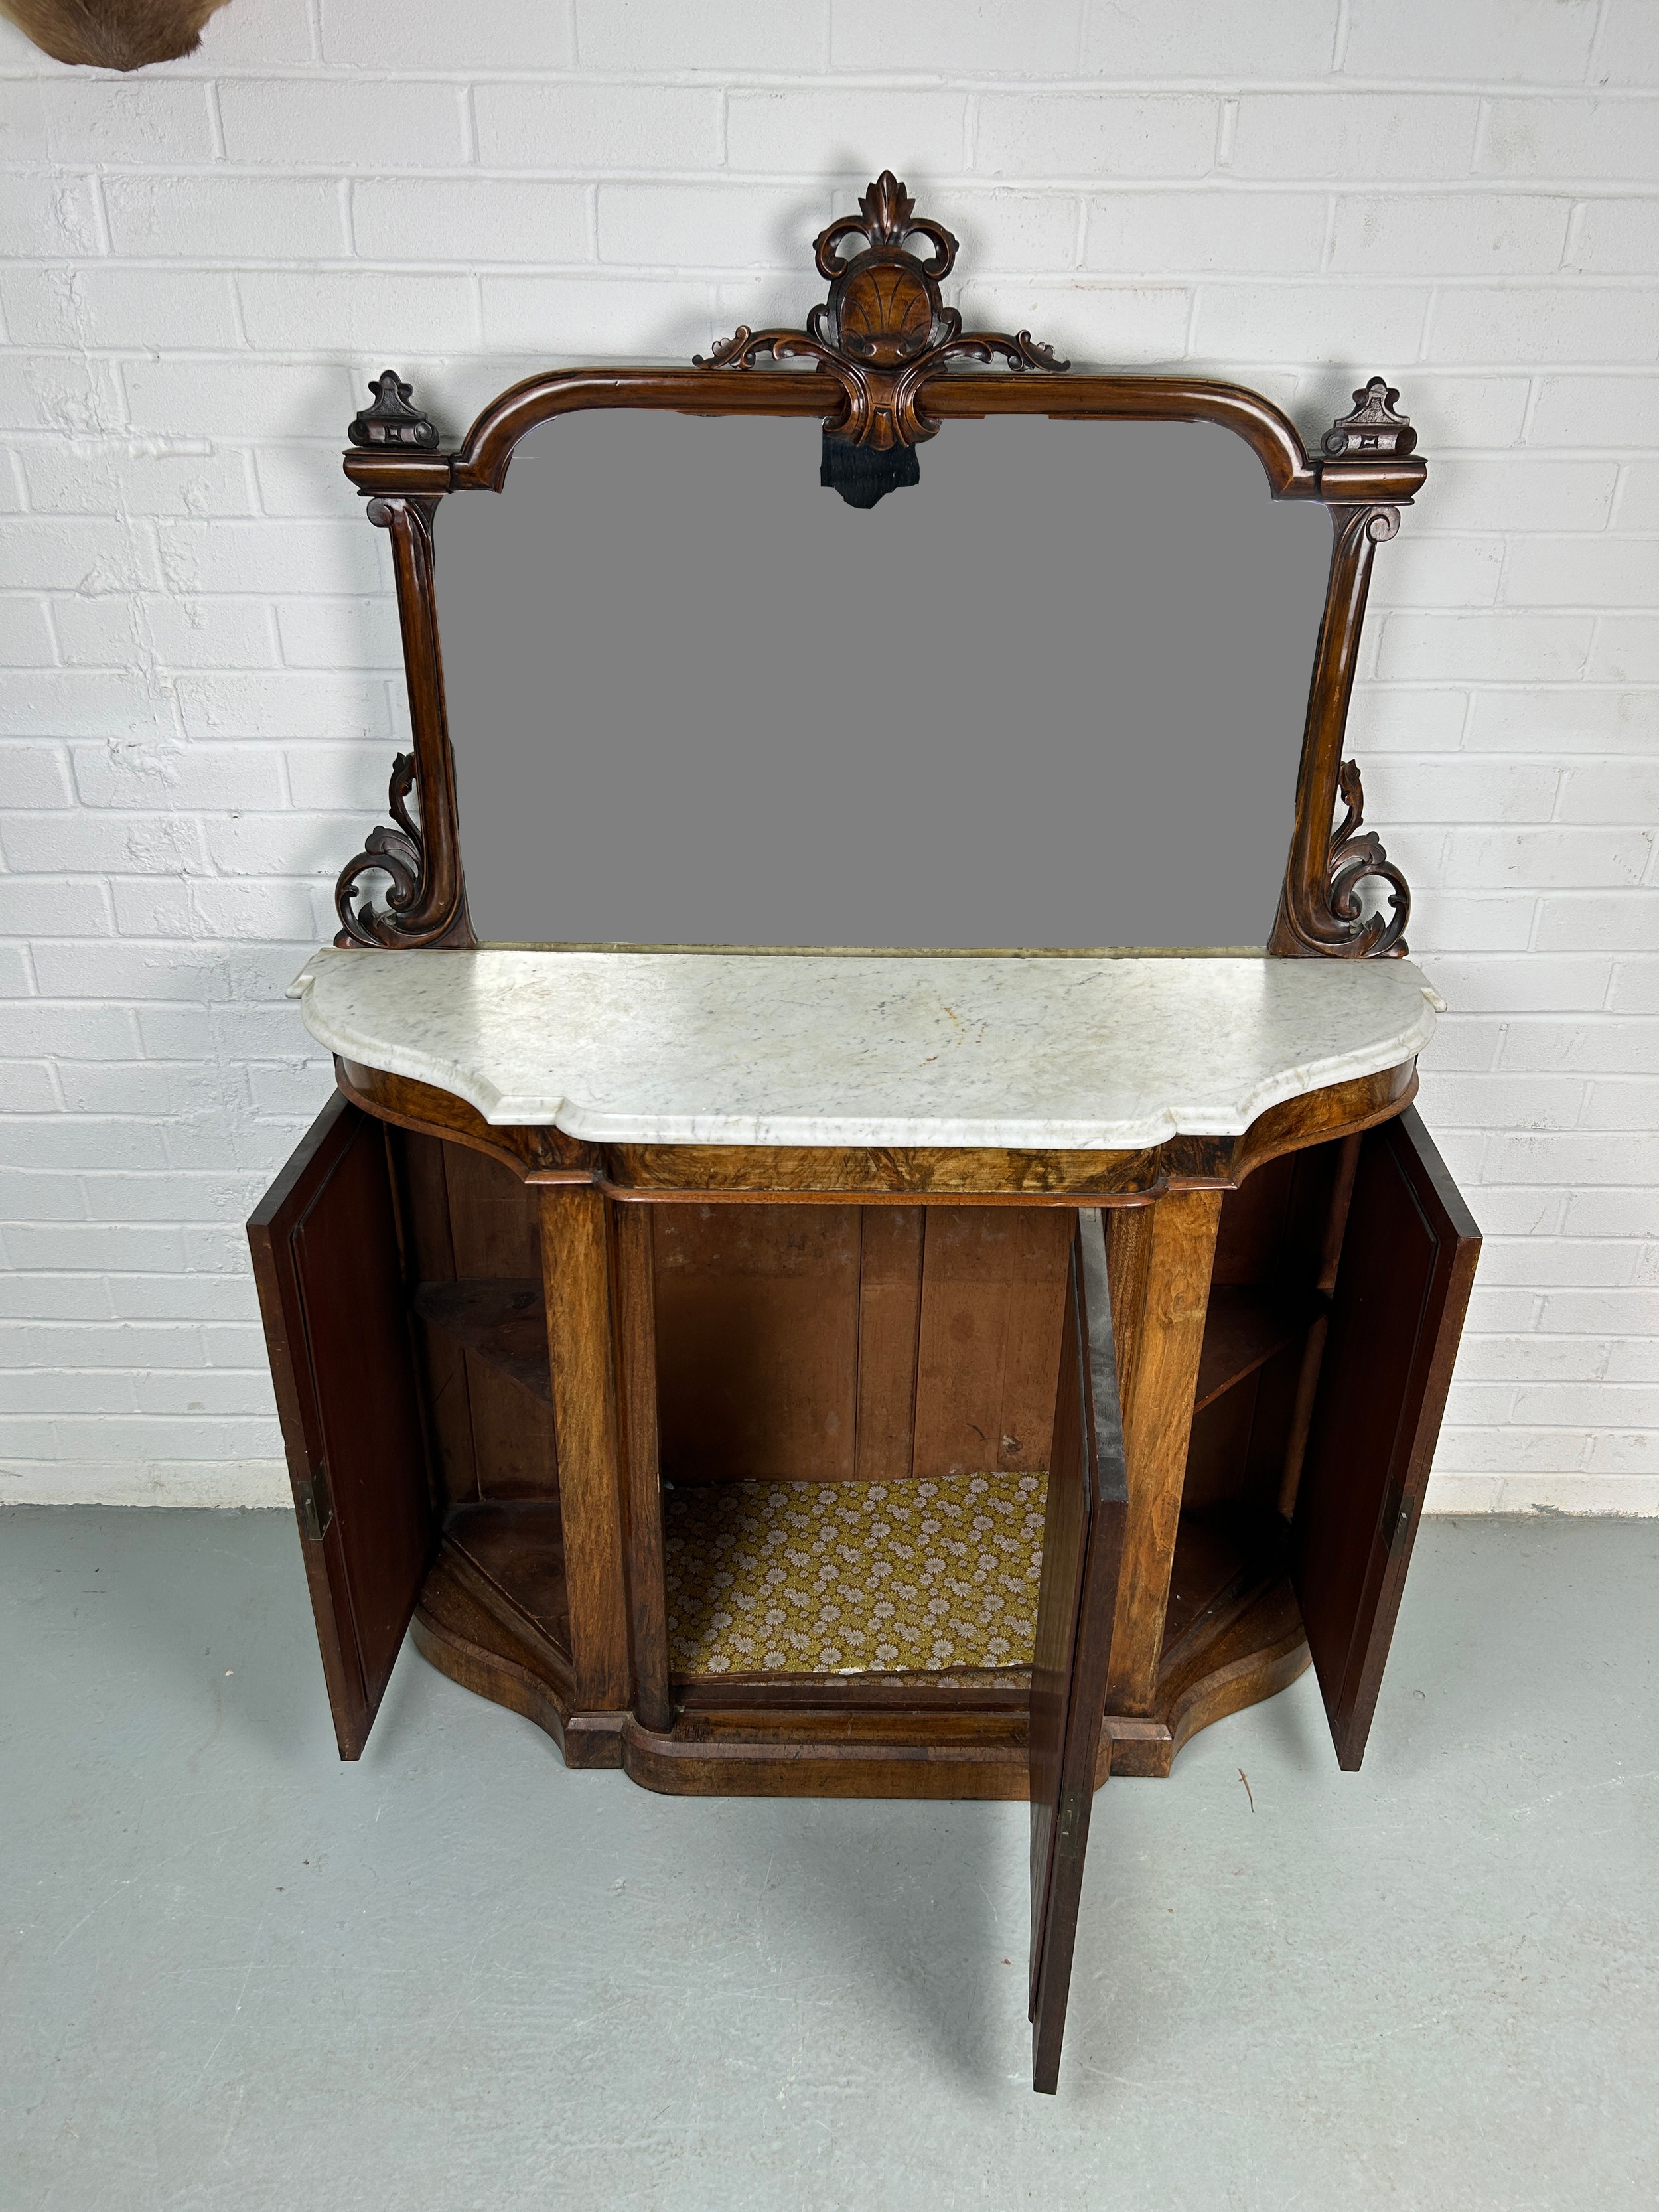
x=234 y=1973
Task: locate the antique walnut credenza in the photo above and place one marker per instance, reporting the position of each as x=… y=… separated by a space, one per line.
x=866 y=1371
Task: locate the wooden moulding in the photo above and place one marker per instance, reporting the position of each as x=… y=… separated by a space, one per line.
x=899 y=1738
x=482 y=459
x=535 y=1155
x=883 y=383
x=834 y=1748
x=805 y=1175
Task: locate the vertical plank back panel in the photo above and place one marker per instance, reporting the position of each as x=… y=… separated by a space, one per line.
x=889 y=1324
x=493 y=1232
x=757 y=1341
x=1252 y=1224
x=420 y=1162
x=492 y=1216
x=993 y=1295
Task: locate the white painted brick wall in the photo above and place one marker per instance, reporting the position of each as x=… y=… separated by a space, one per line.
x=197 y=664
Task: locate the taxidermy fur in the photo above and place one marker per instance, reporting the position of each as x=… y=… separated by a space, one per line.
x=117 y=35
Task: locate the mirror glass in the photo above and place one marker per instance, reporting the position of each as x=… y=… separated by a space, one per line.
x=1051 y=695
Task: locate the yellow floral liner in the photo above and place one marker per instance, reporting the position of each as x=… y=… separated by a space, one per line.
x=853 y=1577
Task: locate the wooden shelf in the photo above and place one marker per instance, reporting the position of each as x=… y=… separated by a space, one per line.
x=1223 y=1555
x=501 y=1318
x=517 y=1547
x=1247 y=1323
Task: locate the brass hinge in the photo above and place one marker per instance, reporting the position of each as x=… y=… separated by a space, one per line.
x=1397 y=1515
x=1070 y=1812
x=316 y=1506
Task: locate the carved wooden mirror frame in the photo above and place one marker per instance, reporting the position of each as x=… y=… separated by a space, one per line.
x=882 y=346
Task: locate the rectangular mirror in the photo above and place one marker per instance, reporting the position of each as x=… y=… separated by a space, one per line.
x=1052 y=695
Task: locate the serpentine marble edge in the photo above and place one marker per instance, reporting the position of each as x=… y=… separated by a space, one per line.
x=835 y=1048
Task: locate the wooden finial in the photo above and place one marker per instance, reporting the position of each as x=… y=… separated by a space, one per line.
x=391 y=420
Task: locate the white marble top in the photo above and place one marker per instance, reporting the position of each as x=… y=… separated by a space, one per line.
x=835 y=1048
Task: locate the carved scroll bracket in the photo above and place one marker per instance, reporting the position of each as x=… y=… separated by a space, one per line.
x=884 y=333
x=1357 y=856
x=426 y=903
x=1320 y=909
x=398 y=854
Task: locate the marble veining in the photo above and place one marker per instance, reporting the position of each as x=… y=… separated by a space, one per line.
x=799 y=1048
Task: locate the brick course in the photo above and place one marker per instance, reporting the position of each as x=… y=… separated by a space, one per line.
x=198 y=664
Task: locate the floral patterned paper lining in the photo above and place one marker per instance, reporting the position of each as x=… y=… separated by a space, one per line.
x=853 y=1577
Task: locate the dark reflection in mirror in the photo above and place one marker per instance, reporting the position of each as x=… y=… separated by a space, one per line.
x=1053 y=696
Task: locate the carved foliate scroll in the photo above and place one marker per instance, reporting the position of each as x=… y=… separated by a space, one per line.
x=1357 y=856
x=398 y=853
x=884 y=333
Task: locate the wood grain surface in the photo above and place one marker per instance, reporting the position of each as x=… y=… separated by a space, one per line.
x=1166 y=1256
x=328 y=1262
x=576 y=1280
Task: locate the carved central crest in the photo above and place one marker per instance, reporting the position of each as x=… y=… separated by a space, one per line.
x=884 y=333
x=884 y=306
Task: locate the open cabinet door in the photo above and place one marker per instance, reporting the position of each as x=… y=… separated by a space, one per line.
x=1402 y=1286
x=1082 y=1548
x=326 y=1260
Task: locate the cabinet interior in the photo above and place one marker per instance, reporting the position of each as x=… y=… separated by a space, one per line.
x=857 y=1390
x=1277 y=1247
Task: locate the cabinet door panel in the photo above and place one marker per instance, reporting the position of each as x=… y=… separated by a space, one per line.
x=327 y=1262
x=1082 y=1549
x=1409 y=1258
